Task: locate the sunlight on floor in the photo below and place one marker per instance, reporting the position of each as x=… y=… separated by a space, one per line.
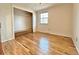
x=44 y=44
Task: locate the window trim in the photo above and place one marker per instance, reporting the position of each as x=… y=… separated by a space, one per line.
x=44 y=18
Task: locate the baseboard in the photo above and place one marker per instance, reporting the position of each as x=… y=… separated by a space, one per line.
x=77 y=49
x=75 y=46
x=7 y=40
x=23 y=32
x=54 y=34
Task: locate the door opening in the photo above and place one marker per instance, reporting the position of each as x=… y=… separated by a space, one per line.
x=22 y=22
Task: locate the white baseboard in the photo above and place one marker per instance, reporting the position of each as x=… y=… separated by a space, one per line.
x=6 y=40
x=56 y=34
x=75 y=46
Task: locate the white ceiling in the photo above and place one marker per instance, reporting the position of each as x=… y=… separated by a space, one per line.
x=37 y=6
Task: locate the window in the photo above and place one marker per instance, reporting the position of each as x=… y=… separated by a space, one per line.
x=44 y=18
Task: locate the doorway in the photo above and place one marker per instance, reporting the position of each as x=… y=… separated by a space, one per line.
x=22 y=22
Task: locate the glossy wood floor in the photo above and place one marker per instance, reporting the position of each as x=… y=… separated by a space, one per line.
x=40 y=44
x=1 y=51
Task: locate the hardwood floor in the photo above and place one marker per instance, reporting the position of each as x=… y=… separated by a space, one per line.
x=40 y=44
x=12 y=47
x=1 y=51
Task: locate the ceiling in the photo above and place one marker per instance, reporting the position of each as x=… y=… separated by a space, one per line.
x=37 y=6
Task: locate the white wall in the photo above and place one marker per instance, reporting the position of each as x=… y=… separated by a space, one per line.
x=22 y=20
x=6 y=22
x=23 y=7
x=59 y=20
x=76 y=26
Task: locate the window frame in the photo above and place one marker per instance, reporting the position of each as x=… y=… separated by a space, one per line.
x=43 y=18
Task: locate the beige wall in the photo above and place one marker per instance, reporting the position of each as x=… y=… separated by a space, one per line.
x=76 y=26
x=6 y=22
x=22 y=20
x=59 y=20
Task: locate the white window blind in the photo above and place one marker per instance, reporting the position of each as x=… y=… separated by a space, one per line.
x=44 y=18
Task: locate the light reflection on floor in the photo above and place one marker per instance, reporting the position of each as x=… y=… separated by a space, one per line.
x=44 y=45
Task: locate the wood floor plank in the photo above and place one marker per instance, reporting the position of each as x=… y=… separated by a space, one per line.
x=40 y=44
x=12 y=47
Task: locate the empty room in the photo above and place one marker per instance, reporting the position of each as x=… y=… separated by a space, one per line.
x=39 y=29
